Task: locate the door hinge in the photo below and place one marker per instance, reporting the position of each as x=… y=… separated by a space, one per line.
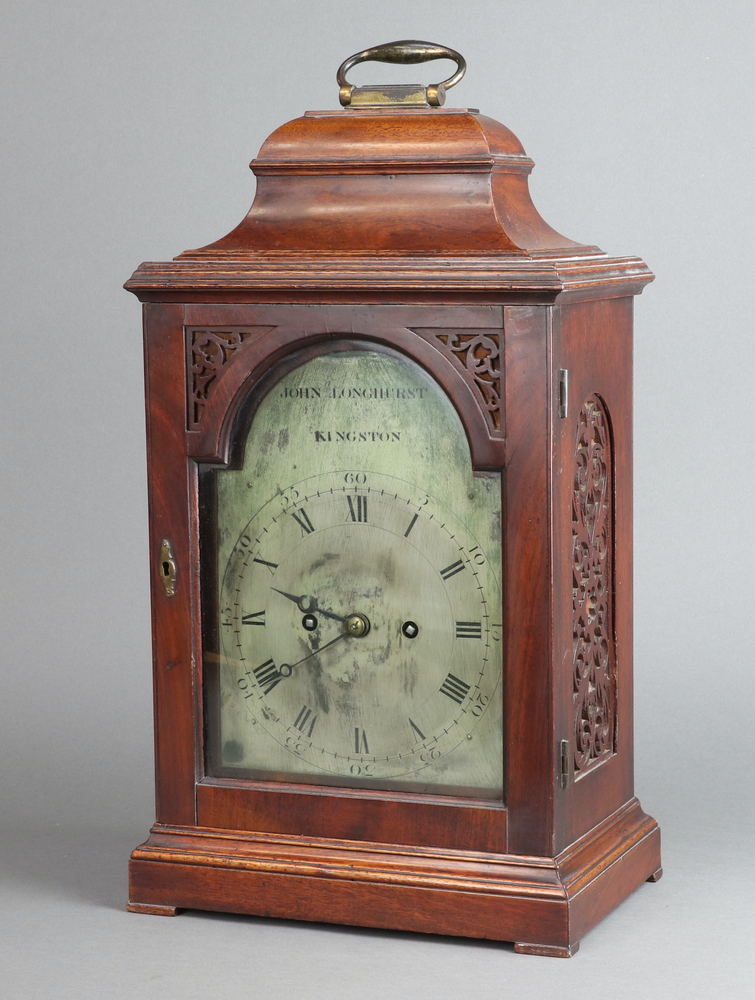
x=563 y=392
x=564 y=764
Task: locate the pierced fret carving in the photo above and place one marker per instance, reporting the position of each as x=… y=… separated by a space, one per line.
x=592 y=605
x=480 y=355
x=211 y=350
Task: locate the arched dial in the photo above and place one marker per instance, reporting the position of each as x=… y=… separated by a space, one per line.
x=357 y=619
x=356 y=637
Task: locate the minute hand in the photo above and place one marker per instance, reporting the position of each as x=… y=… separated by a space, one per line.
x=343 y=635
x=306 y=603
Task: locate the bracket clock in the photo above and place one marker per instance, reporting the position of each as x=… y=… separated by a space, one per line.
x=390 y=467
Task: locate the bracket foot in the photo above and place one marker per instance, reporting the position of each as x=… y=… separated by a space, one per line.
x=160 y=911
x=547 y=950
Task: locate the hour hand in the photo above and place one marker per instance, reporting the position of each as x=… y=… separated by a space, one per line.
x=308 y=604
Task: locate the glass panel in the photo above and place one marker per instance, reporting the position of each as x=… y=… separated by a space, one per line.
x=358 y=616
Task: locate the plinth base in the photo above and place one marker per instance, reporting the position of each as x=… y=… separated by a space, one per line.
x=544 y=905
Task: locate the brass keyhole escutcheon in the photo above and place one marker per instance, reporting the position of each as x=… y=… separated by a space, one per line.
x=357 y=625
x=167 y=568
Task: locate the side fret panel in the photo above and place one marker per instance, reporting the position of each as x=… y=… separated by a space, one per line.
x=594 y=662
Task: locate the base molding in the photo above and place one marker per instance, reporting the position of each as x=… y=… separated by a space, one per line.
x=544 y=905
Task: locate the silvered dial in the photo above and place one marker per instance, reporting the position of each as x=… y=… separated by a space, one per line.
x=357 y=637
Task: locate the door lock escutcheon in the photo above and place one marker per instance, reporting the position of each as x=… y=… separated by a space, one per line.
x=167 y=568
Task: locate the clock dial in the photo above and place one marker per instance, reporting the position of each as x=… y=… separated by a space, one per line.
x=359 y=603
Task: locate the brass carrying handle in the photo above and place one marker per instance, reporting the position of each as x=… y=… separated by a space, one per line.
x=405 y=52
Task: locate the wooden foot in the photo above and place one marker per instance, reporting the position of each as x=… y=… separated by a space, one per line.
x=160 y=911
x=656 y=876
x=547 y=950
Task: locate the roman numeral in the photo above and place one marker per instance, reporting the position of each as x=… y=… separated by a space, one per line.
x=411 y=525
x=358 y=509
x=253 y=618
x=302 y=519
x=305 y=721
x=469 y=630
x=417 y=730
x=264 y=562
x=360 y=741
x=267 y=676
x=454 y=689
x=452 y=570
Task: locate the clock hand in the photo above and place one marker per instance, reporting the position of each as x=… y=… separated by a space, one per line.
x=314 y=652
x=307 y=603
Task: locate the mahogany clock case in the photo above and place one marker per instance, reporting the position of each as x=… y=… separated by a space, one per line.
x=426 y=243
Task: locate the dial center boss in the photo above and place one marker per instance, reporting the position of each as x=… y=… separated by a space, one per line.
x=357 y=625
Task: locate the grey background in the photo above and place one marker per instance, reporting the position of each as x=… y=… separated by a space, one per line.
x=126 y=130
